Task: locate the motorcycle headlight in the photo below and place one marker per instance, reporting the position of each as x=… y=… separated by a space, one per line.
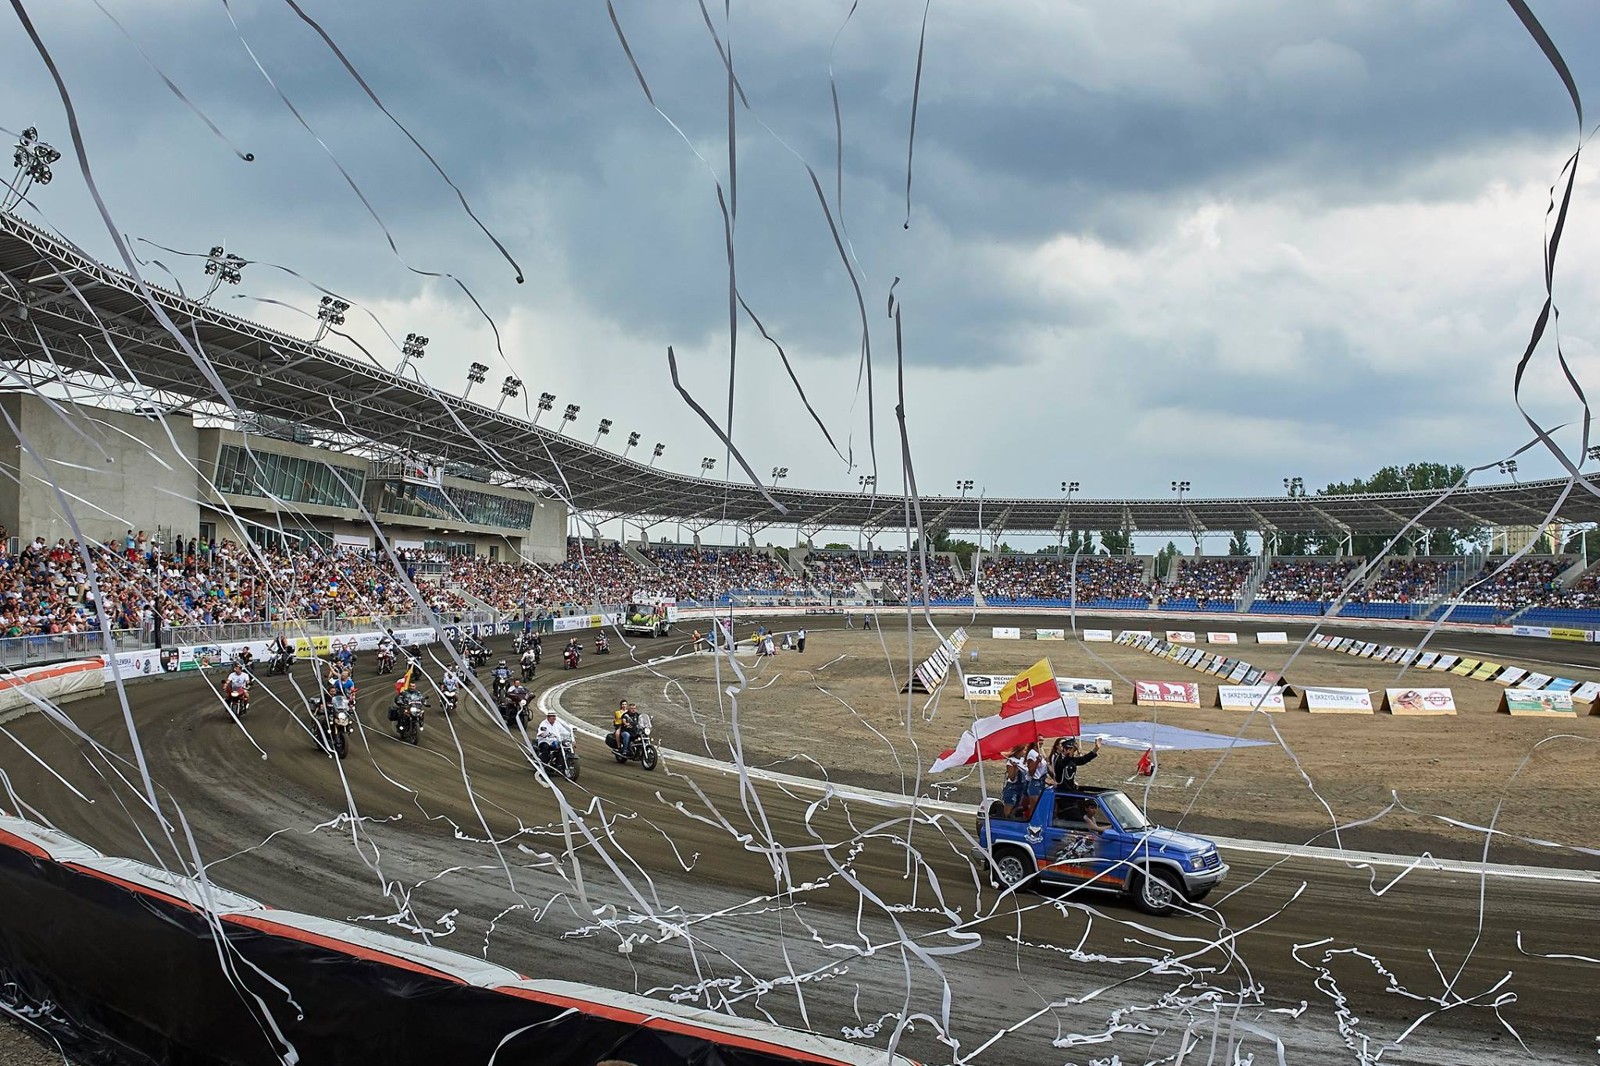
x=341 y=718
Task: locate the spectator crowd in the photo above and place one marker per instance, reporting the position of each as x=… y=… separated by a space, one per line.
x=1099 y=578
x=1305 y=580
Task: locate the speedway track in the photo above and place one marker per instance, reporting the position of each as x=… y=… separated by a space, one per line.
x=677 y=887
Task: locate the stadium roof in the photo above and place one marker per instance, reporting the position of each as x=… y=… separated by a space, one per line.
x=66 y=315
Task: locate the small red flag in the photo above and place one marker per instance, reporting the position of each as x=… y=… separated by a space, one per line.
x=1147 y=762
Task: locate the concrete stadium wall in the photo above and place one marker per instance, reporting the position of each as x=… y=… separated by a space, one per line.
x=124 y=471
x=546 y=542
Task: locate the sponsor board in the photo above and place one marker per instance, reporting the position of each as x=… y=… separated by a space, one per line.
x=1137 y=633
x=1559 y=684
x=1342 y=644
x=931 y=672
x=1099 y=636
x=1510 y=676
x=1005 y=633
x=1049 y=634
x=1588 y=692
x=1237 y=675
x=1486 y=670
x=1444 y=662
x=1180 y=636
x=1321 y=640
x=1093 y=690
x=1577 y=635
x=1525 y=701
x=1367 y=651
x=1535 y=681
x=1166 y=693
x=1273 y=638
x=1336 y=700
x=1419 y=701
x=1249 y=698
x=1464 y=667
x=1530 y=631
x=1222 y=638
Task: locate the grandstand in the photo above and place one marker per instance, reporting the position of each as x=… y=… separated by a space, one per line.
x=298 y=465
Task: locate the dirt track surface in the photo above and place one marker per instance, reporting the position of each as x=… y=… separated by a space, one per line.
x=836 y=712
x=751 y=897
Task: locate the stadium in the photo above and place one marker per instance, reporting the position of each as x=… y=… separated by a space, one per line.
x=1389 y=754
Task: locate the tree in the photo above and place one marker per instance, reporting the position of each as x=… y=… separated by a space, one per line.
x=1164 y=559
x=1115 y=542
x=942 y=541
x=836 y=546
x=1239 y=543
x=1079 y=542
x=1413 y=477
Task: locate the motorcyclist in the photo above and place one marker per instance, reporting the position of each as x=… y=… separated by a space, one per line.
x=282 y=650
x=344 y=656
x=537 y=643
x=245 y=660
x=502 y=677
x=602 y=645
x=347 y=684
x=624 y=722
x=385 y=650
x=529 y=663
x=449 y=685
x=511 y=704
x=238 y=683
x=551 y=736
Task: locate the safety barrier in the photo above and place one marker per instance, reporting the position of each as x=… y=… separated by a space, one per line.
x=147 y=964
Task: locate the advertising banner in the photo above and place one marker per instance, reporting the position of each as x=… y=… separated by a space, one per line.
x=1559 y=684
x=1398 y=655
x=1336 y=700
x=987 y=686
x=930 y=673
x=1249 y=698
x=1136 y=633
x=1419 y=701
x=131 y=664
x=1252 y=676
x=1535 y=681
x=1237 y=675
x=1099 y=636
x=1510 y=675
x=1093 y=690
x=1342 y=644
x=1166 y=693
x=1525 y=701
x=1445 y=662
x=1273 y=638
x=1530 y=631
x=1321 y=640
x=1486 y=670
x=1049 y=634
x=1181 y=636
x=1587 y=692
x=1560 y=633
x=1222 y=638
x=1006 y=633
x=1464 y=667
x=1368 y=651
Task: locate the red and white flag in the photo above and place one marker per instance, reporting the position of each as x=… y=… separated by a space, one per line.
x=993 y=737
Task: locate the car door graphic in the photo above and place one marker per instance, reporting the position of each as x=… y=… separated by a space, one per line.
x=1073 y=849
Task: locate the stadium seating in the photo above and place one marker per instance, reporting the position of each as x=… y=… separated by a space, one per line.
x=1009 y=580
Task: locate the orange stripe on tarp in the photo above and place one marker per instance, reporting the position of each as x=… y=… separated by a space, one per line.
x=343 y=947
x=46 y=674
x=24 y=845
x=671 y=1025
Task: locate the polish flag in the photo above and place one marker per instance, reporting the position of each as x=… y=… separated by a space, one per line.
x=993 y=737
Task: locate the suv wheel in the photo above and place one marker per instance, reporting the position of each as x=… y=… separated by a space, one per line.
x=1011 y=868
x=1157 y=892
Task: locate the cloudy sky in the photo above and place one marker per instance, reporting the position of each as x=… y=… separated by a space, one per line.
x=1225 y=242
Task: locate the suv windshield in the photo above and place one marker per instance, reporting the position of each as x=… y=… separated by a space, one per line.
x=1124 y=811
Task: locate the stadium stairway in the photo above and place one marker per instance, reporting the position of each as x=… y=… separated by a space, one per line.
x=638 y=557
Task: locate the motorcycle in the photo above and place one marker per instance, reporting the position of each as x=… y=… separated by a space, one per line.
x=602 y=646
x=521 y=642
x=513 y=712
x=238 y=699
x=385 y=660
x=336 y=726
x=569 y=659
x=641 y=745
x=527 y=672
x=282 y=662
x=448 y=700
x=500 y=686
x=562 y=760
x=406 y=714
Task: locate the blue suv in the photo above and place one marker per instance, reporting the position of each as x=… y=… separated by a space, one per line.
x=1097 y=838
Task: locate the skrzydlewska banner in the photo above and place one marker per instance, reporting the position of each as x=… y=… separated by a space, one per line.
x=1098 y=636
x=1087 y=689
x=1523 y=701
x=1180 y=636
x=1166 y=693
x=1249 y=698
x=1006 y=633
x=1419 y=701
x=1222 y=638
x=1049 y=634
x=1336 y=700
x=1272 y=638
x=931 y=671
